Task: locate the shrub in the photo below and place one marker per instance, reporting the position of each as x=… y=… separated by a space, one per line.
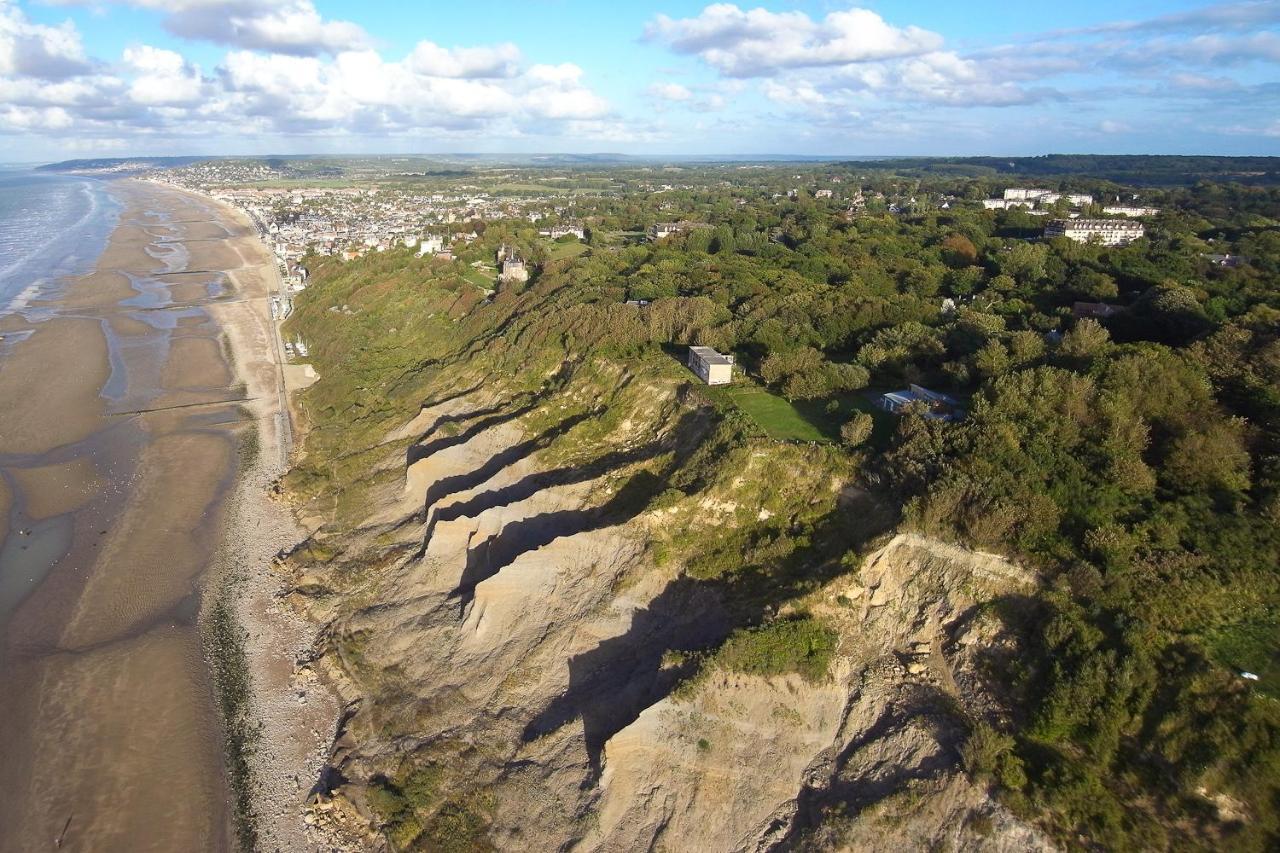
x=801 y=645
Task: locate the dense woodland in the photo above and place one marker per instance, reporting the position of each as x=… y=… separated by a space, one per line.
x=1133 y=461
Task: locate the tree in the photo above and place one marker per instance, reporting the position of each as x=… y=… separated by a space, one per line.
x=1084 y=341
x=1025 y=261
x=1091 y=284
x=958 y=251
x=1213 y=458
x=857 y=429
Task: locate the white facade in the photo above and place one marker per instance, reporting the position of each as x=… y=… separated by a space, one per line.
x=513 y=269
x=430 y=245
x=1108 y=232
x=1124 y=210
x=1045 y=196
x=710 y=366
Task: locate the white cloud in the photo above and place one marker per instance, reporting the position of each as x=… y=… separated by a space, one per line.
x=799 y=93
x=482 y=90
x=670 y=92
x=35 y=50
x=280 y=26
x=759 y=42
x=163 y=77
x=432 y=60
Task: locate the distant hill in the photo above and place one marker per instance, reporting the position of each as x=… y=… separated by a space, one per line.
x=120 y=164
x=1143 y=169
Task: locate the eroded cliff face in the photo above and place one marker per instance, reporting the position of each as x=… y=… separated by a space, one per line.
x=516 y=620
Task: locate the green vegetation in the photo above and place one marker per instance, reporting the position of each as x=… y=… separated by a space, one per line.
x=801 y=645
x=1134 y=461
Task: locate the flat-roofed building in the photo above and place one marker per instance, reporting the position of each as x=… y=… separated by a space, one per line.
x=934 y=405
x=711 y=367
x=1108 y=232
x=1129 y=210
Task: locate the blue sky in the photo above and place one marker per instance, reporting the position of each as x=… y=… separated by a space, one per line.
x=116 y=77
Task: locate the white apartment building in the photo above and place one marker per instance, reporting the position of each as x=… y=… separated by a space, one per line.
x=1108 y=232
x=1034 y=196
x=1126 y=210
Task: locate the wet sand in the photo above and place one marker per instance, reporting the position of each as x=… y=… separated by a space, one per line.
x=120 y=430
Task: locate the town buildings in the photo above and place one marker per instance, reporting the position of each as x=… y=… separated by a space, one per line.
x=710 y=366
x=666 y=229
x=1108 y=232
x=1029 y=198
x=1129 y=210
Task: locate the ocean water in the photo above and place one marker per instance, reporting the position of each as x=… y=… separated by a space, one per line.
x=51 y=226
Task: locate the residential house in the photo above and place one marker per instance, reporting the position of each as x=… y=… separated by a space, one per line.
x=1094 y=310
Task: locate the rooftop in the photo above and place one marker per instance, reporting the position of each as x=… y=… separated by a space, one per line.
x=710 y=356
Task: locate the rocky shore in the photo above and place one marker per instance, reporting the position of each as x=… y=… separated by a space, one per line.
x=292 y=714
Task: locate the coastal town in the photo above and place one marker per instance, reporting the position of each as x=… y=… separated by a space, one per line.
x=347 y=212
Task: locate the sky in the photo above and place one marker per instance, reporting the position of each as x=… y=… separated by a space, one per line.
x=84 y=78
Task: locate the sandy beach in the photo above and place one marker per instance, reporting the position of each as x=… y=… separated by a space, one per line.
x=123 y=442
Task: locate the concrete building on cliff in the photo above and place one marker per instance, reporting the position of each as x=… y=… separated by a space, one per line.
x=710 y=366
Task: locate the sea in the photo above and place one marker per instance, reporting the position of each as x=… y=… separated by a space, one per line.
x=51 y=226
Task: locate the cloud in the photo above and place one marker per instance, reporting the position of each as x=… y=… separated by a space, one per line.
x=280 y=26
x=478 y=90
x=1220 y=16
x=162 y=77
x=670 y=92
x=435 y=61
x=758 y=42
x=35 y=50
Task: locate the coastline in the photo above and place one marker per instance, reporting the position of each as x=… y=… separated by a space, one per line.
x=295 y=713
x=128 y=502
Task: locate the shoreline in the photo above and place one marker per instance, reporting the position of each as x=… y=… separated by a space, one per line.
x=130 y=495
x=292 y=713
x=115 y=466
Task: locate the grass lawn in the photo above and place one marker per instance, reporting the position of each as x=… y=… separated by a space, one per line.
x=806 y=420
x=559 y=251
x=777 y=417
x=480 y=278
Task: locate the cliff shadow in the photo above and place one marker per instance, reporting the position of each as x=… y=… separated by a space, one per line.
x=446 y=486
x=490 y=416
x=613 y=683
x=926 y=705
x=520 y=537
x=688 y=429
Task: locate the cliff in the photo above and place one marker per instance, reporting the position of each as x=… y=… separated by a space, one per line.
x=572 y=602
